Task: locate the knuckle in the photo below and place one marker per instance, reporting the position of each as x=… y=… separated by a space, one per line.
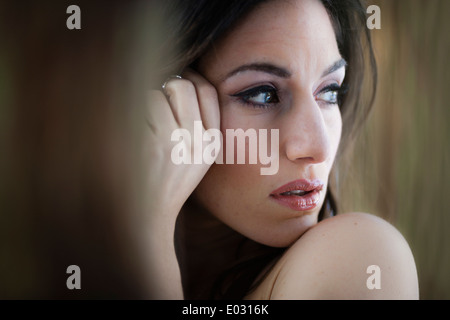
x=180 y=85
x=187 y=86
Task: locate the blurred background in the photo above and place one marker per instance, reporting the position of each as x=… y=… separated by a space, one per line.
x=400 y=166
x=72 y=105
x=71 y=110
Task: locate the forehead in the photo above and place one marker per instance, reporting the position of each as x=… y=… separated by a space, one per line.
x=291 y=33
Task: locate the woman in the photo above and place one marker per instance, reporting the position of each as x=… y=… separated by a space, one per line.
x=296 y=67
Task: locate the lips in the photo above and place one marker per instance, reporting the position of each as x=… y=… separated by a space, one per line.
x=299 y=195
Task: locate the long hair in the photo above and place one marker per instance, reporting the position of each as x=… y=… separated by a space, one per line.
x=195 y=25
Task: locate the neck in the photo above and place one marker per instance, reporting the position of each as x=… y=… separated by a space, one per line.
x=206 y=248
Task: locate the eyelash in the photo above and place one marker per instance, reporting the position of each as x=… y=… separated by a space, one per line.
x=246 y=95
x=340 y=92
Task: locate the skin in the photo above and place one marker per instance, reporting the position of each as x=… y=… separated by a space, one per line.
x=282 y=35
x=331 y=260
x=324 y=260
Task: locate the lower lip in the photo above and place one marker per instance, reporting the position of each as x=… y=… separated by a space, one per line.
x=299 y=203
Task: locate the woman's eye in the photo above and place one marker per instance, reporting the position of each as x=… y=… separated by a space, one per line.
x=260 y=97
x=330 y=97
x=330 y=94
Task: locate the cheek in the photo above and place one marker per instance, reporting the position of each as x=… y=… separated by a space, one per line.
x=227 y=191
x=333 y=121
x=240 y=139
x=225 y=183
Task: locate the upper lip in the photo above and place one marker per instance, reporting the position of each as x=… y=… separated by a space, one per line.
x=301 y=184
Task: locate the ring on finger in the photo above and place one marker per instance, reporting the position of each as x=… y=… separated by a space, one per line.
x=175 y=76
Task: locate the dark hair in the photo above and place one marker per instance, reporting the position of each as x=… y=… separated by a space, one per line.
x=197 y=24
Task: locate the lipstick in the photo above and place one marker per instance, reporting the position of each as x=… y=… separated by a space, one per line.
x=299 y=195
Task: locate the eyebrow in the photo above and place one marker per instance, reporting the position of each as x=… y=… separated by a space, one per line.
x=279 y=71
x=335 y=66
x=262 y=67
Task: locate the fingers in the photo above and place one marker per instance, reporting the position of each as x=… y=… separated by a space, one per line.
x=182 y=98
x=207 y=99
x=193 y=98
x=159 y=114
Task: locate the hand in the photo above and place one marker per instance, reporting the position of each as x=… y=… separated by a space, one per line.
x=167 y=185
x=185 y=100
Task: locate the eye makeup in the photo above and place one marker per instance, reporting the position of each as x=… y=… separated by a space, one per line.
x=266 y=96
x=331 y=94
x=263 y=96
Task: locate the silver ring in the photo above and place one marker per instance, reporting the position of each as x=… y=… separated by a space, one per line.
x=175 y=76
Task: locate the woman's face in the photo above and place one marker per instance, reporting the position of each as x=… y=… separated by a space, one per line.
x=279 y=68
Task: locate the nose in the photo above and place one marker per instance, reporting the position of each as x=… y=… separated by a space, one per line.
x=305 y=135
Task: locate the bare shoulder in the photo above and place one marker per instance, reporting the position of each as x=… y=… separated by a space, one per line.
x=350 y=256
